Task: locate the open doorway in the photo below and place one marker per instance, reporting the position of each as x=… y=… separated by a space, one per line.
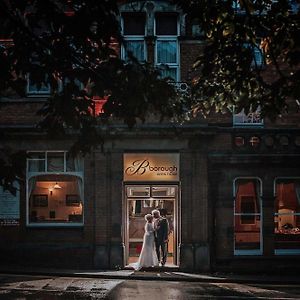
x=141 y=200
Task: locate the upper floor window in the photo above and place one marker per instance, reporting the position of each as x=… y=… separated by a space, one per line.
x=134 y=26
x=250 y=119
x=166 y=48
x=34 y=89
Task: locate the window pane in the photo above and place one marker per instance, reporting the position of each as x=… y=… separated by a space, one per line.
x=134 y=24
x=74 y=164
x=36 y=161
x=166 y=52
x=36 y=165
x=247 y=225
x=41 y=88
x=166 y=24
x=137 y=49
x=138 y=191
x=55 y=199
x=163 y=191
x=55 y=162
x=286 y=219
x=169 y=73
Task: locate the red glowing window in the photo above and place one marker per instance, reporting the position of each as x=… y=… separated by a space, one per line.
x=98 y=105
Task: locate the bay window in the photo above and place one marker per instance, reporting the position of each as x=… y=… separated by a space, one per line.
x=54 y=189
x=247 y=216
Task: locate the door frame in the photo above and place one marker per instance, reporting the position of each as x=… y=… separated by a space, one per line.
x=177 y=216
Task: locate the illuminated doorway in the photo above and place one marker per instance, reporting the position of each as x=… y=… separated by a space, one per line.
x=141 y=200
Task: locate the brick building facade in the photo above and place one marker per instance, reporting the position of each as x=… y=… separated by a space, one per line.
x=232 y=188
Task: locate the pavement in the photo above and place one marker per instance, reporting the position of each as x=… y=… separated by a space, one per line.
x=166 y=274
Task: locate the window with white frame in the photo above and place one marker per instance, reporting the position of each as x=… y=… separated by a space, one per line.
x=34 y=89
x=251 y=119
x=166 y=46
x=134 y=26
x=54 y=189
x=36 y=86
x=287 y=215
x=247 y=216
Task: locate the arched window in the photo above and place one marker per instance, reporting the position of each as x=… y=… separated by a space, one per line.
x=247 y=216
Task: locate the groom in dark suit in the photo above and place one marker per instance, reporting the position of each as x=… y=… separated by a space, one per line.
x=161 y=227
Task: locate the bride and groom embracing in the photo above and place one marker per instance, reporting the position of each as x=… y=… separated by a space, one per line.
x=155 y=242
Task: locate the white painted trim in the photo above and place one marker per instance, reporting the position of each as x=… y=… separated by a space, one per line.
x=247 y=177
x=247 y=252
x=287 y=251
x=30 y=175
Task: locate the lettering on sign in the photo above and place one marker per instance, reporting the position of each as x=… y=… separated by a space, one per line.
x=151 y=167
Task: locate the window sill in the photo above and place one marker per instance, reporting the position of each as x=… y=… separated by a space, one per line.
x=53 y=225
x=287 y=252
x=37 y=95
x=247 y=252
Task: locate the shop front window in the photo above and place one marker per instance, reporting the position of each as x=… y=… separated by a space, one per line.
x=247 y=216
x=287 y=216
x=54 y=189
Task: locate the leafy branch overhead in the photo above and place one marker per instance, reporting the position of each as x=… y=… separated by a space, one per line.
x=74 y=47
x=238 y=35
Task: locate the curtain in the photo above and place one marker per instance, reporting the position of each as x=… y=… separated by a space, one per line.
x=258 y=196
x=31 y=186
x=247 y=188
x=297 y=189
x=78 y=164
x=287 y=195
x=169 y=73
x=136 y=48
x=166 y=52
x=80 y=188
x=55 y=162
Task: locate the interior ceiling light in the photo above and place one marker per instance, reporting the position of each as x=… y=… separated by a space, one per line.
x=57 y=186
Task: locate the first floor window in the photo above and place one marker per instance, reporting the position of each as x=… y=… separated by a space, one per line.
x=54 y=188
x=287 y=216
x=136 y=48
x=55 y=199
x=167 y=57
x=253 y=118
x=247 y=216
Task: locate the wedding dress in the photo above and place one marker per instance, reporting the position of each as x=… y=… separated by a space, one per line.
x=148 y=257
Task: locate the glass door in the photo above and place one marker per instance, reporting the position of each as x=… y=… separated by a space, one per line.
x=141 y=200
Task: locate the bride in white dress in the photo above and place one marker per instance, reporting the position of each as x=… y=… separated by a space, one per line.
x=148 y=256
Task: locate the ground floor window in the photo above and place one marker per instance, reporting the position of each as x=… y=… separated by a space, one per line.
x=55 y=199
x=247 y=216
x=287 y=216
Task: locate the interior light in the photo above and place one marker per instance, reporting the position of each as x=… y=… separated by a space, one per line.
x=57 y=186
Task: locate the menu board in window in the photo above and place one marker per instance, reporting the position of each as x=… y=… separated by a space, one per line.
x=9 y=207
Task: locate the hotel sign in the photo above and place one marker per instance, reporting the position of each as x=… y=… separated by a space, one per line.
x=151 y=167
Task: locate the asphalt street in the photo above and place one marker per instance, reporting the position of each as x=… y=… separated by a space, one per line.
x=20 y=287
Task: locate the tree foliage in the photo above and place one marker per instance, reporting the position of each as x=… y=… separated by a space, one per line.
x=228 y=73
x=73 y=45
